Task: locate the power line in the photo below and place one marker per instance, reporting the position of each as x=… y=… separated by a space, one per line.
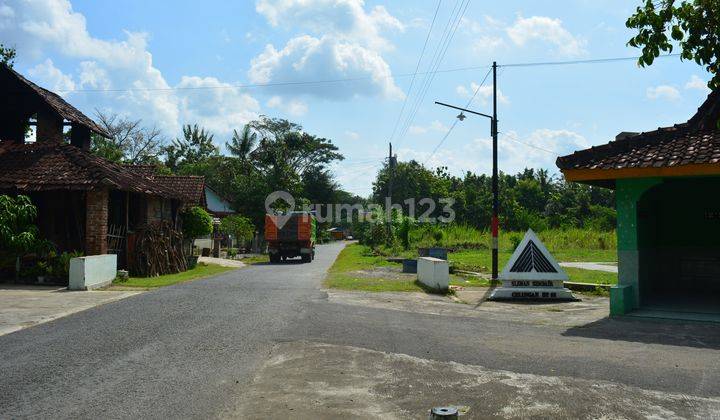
x=443 y=46
x=417 y=67
x=431 y=66
x=441 y=141
x=571 y=62
x=516 y=140
x=455 y=122
x=353 y=79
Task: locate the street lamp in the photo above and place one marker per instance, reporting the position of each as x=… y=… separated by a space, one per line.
x=494 y=133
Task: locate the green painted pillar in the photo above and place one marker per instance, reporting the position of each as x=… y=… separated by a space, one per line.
x=626 y=296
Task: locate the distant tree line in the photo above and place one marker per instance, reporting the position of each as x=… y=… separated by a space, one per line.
x=272 y=154
x=530 y=199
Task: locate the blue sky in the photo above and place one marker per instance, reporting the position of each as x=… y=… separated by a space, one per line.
x=180 y=62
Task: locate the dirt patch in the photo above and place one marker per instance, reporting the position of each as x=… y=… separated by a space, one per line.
x=318 y=381
x=470 y=302
x=386 y=273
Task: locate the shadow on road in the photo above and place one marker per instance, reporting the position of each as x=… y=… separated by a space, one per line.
x=649 y=331
x=290 y=262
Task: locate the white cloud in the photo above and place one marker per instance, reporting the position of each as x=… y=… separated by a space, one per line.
x=487 y=44
x=484 y=93
x=696 y=82
x=663 y=92
x=52 y=28
x=54 y=79
x=548 y=30
x=293 y=107
x=326 y=58
x=342 y=40
x=487 y=23
x=352 y=135
x=436 y=126
x=219 y=109
x=345 y=19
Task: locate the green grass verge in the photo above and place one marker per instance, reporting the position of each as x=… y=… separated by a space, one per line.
x=201 y=270
x=590 y=276
x=355 y=257
x=343 y=274
x=256 y=259
x=346 y=281
x=480 y=260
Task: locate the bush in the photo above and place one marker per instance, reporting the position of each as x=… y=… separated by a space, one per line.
x=515 y=238
x=196 y=222
x=232 y=252
x=238 y=226
x=18 y=233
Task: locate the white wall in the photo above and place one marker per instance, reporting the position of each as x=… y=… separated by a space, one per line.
x=92 y=272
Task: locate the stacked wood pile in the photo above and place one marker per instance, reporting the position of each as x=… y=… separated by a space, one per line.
x=157 y=251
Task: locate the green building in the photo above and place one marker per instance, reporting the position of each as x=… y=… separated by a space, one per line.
x=667 y=184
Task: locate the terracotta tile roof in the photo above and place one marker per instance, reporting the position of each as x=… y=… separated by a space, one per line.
x=53 y=100
x=53 y=166
x=694 y=142
x=191 y=188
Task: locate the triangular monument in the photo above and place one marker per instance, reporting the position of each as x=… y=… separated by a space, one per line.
x=532 y=273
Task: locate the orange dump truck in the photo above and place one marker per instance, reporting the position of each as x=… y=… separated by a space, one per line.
x=291 y=235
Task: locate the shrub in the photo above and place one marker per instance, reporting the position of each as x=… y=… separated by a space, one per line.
x=18 y=233
x=238 y=226
x=196 y=222
x=515 y=238
x=232 y=252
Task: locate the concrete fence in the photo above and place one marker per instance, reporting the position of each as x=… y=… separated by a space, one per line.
x=92 y=272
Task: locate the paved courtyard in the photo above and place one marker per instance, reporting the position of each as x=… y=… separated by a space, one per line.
x=25 y=306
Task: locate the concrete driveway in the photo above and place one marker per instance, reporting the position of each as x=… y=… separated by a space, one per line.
x=25 y=306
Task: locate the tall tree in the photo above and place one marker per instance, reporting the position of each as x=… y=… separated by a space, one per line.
x=7 y=55
x=284 y=144
x=242 y=144
x=129 y=141
x=195 y=147
x=693 y=24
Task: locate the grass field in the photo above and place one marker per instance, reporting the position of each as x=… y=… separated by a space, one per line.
x=480 y=260
x=200 y=271
x=356 y=269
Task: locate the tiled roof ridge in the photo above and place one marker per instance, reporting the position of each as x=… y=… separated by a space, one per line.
x=56 y=102
x=704 y=121
x=99 y=171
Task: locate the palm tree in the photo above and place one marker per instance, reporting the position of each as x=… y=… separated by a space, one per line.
x=242 y=143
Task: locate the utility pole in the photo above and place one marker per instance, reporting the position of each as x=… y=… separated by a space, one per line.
x=388 y=201
x=496 y=198
x=494 y=223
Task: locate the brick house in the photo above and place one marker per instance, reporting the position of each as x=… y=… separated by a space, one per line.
x=667 y=184
x=195 y=192
x=85 y=203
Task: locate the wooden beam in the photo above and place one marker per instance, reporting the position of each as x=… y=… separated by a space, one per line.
x=703 y=169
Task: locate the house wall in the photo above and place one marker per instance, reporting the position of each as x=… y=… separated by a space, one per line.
x=158 y=209
x=668 y=232
x=96 y=220
x=215 y=203
x=626 y=296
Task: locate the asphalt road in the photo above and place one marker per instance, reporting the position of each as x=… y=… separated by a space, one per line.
x=189 y=350
x=180 y=351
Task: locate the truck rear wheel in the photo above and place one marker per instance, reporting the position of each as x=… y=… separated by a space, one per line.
x=274 y=258
x=306 y=258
